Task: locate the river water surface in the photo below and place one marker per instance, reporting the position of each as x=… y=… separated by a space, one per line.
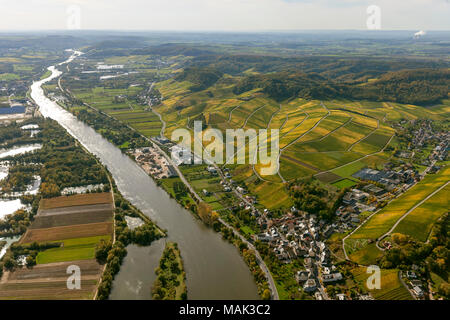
x=213 y=267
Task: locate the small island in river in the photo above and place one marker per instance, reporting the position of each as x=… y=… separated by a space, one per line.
x=171 y=281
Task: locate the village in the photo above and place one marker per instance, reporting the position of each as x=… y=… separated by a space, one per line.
x=303 y=236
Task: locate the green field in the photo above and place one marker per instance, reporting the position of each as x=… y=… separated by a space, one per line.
x=345 y=183
x=71 y=250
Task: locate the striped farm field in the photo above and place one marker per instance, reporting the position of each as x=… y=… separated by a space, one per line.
x=323 y=160
x=49 y=282
x=74 y=244
x=289 y=116
x=340 y=140
x=418 y=223
x=61 y=218
x=328 y=124
x=76 y=200
x=289 y=122
x=245 y=111
x=297 y=132
x=374 y=142
x=261 y=118
x=383 y=221
x=67 y=232
x=290 y=170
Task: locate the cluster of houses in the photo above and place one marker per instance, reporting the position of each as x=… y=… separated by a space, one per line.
x=440 y=152
x=154 y=163
x=415 y=285
x=354 y=203
x=423 y=135
x=292 y=237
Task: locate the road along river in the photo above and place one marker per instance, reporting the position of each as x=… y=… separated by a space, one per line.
x=214 y=268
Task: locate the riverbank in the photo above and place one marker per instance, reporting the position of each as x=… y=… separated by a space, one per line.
x=205 y=254
x=190 y=201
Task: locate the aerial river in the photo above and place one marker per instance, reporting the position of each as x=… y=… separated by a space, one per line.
x=214 y=268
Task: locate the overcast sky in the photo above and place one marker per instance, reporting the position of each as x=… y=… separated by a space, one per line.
x=226 y=15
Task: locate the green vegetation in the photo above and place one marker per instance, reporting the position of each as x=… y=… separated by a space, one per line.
x=283 y=274
x=170 y=283
x=390 y=286
x=418 y=223
x=344 y=183
x=63 y=162
x=71 y=250
x=310 y=196
x=338 y=107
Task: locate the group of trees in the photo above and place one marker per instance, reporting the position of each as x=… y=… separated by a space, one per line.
x=422 y=87
x=114 y=131
x=61 y=162
x=403 y=81
x=408 y=251
x=284 y=85
x=113 y=260
x=180 y=190
x=30 y=251
x=206 y=214
x=15 y=224
x=143 y=235
x=202 y=78
x=342 y=69
x=171 y=276
x=19 y=177
x=11 y=132
x=310 y=197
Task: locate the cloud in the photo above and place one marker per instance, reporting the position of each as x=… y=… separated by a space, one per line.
x=419 y=34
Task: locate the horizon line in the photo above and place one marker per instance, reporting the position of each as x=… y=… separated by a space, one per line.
x=218 y=31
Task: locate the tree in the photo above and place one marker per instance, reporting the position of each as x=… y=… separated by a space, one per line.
x=10 y=264
x=266 y=294
x=49 y=190
x=31 y=260
x=102 y=250
x=206 y=213
x=444 y=290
